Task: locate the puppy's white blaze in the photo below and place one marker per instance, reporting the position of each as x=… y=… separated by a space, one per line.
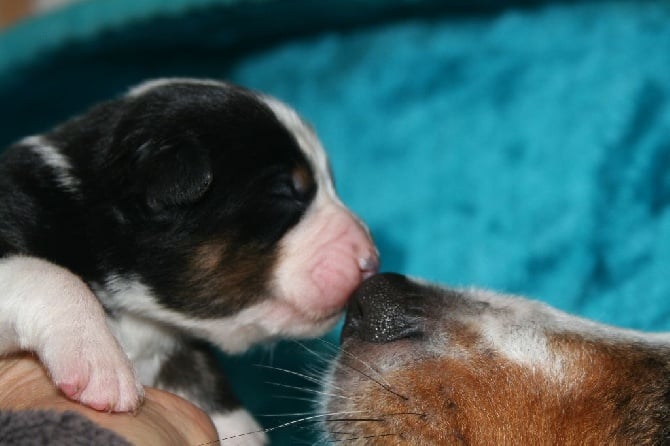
x=236 y=427
x=52 y=157
x=308 y=142
x=267 y=320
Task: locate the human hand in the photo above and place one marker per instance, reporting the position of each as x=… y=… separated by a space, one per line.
x=164 y=418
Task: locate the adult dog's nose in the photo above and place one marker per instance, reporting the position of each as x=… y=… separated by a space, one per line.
x=384 y=308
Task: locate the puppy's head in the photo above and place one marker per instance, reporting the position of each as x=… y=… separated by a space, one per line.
x=427 y=365
x=217 y=212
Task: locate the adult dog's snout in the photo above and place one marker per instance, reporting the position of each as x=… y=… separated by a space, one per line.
x=383 y=309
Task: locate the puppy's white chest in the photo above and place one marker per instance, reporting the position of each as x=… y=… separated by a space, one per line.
x=146 y=343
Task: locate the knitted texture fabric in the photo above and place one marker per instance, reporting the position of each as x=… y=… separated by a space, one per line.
x=48 y=428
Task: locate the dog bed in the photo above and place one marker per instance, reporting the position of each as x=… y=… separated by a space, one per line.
x=517 y=145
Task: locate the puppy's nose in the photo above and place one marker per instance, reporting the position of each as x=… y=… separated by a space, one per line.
x=369 y=264
x=382 y=309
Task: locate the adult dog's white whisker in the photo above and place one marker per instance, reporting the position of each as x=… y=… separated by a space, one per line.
x=308 y=390
x=311 y=401
x=306 y=377
x=343 y=351
x=319 y=356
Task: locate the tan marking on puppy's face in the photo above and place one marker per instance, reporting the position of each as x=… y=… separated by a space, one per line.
x=208 y=256
x=303 y=181
x=225 y=277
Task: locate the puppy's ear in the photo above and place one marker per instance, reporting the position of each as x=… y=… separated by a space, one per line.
x=176 y=174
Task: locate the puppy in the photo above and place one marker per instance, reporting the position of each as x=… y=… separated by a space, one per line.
x=424 y=365
x=183 y=214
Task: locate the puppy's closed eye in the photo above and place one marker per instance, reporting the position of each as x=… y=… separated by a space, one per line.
x=296 y=185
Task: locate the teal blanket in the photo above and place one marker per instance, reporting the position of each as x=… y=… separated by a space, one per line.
x=520 y=145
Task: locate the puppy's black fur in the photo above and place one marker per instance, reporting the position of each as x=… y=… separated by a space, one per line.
x=147 y=194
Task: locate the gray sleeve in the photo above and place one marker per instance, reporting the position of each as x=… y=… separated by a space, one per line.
x=44 y=427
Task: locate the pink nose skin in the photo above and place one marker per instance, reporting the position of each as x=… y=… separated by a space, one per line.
x=369 y=265
x=342 y=263
x=325 y=260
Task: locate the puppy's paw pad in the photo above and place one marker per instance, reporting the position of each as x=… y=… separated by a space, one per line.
x=100 y=378
x=117 y=392
x=71 y=390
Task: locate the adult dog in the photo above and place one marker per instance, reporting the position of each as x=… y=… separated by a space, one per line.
x=425 y=365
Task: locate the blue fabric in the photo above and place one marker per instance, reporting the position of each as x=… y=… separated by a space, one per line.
x=525 y=149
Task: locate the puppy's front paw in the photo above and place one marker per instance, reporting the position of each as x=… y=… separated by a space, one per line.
x=55 y=314
x=94 y=372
